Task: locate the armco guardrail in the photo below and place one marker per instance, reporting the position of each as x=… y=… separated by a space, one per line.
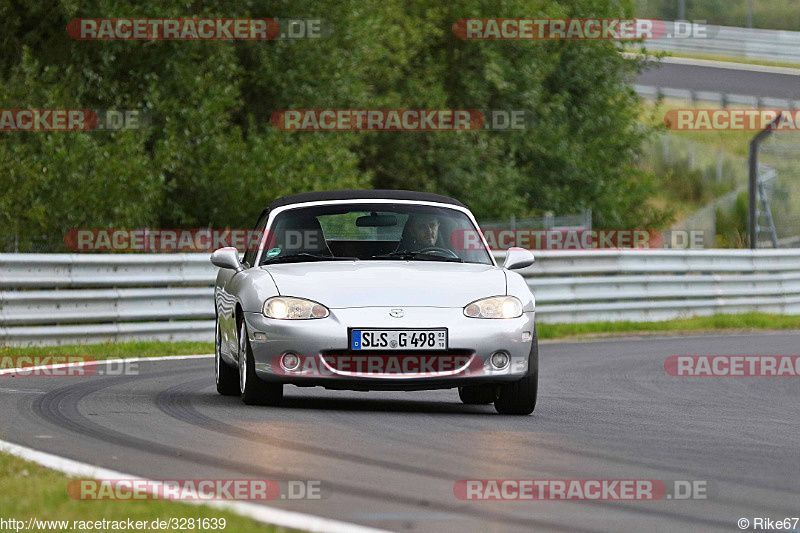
x=589 y=286
x=69 y=298
x=724 y=100
x=773 y=45
x=55 y=299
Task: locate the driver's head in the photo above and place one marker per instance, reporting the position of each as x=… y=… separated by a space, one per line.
x=424 y=229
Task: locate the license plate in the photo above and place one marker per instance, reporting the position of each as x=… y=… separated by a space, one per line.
x=398 y=339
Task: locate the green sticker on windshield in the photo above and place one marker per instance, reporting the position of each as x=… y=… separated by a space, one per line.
x=273 y=252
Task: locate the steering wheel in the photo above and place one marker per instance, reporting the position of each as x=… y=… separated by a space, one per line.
x=444 y=252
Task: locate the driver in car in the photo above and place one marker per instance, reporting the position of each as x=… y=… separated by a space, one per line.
x=421 y=231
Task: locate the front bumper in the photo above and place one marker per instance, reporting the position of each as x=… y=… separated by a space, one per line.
x=471 y=342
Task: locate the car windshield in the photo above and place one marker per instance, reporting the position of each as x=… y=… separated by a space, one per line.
x=372 y=232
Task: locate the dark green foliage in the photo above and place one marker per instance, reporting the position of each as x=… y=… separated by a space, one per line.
x=211 y=157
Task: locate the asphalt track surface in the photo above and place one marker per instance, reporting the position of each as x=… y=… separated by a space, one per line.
x=607 y=410
x=727 y=80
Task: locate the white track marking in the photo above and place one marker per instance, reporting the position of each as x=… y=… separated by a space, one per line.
x=260 y=513
x=27 y=369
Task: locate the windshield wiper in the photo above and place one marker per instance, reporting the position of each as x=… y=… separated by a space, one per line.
x=304 y=257
x=420 y=256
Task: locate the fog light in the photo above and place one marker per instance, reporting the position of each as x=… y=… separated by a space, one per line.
x=500 y=360
x=290 y=361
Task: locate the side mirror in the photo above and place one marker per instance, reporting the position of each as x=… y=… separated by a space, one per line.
x=518 y=258
x=227 y=258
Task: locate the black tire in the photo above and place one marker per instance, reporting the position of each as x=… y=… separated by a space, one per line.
x=226 y=376
x=254 y=391
x=477 y=394
x=519 y=397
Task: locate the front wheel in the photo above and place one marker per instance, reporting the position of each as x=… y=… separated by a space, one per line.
x=519 y=397
x=254 y=391
x=226 y=377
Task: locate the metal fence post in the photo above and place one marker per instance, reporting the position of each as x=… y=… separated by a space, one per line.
x=752 y=200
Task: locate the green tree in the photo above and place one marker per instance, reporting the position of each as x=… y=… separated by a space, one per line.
x=211 y=156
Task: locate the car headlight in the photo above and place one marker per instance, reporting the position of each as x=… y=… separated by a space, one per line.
x=293 y=308
x=495 y=307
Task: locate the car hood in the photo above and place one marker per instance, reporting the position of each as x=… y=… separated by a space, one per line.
x=339 y=284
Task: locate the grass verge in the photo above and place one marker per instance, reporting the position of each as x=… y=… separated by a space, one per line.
x=735 y=142
x=28 y=490
x=740 y=322
x=113 y=350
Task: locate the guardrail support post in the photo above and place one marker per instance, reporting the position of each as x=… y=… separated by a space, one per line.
x=752 y=200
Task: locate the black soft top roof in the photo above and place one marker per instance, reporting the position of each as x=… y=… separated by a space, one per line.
x=366 y=194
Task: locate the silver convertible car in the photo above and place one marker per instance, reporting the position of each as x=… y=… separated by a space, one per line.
x=374 y=290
